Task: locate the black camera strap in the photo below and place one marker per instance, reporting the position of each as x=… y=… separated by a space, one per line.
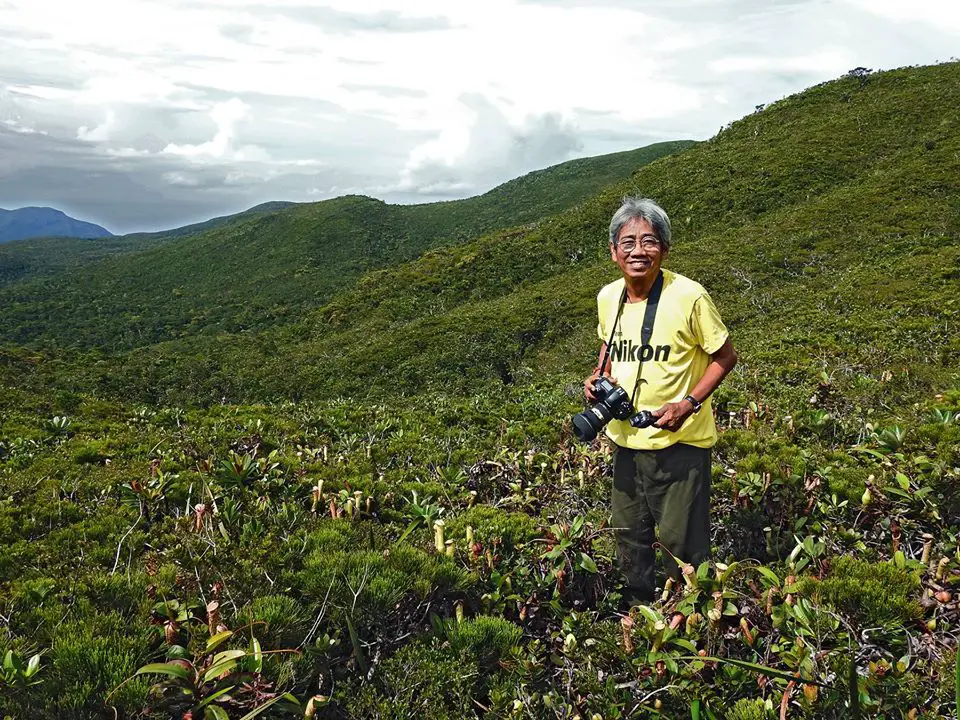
x=646 y=330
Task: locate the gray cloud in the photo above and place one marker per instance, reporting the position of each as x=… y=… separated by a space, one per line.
x=304 y=102
x=496 y=151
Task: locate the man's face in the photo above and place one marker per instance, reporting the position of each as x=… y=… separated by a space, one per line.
x=642 y=262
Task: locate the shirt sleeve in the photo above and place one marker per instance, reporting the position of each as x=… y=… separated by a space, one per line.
x=601 y=330
x=707 y=326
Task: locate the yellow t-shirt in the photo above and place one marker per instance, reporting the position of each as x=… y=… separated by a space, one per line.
x=687 y=329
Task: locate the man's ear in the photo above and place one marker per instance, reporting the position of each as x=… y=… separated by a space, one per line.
x=613 y=252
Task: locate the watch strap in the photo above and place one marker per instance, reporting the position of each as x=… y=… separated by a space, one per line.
x=693 y=401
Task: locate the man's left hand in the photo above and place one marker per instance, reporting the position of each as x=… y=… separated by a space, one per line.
x=672 y=415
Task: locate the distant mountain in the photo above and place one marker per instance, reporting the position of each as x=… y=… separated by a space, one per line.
x=34 y=222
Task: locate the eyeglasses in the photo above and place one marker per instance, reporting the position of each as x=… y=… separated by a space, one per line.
x=646 y=242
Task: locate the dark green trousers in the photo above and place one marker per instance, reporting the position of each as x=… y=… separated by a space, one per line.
x=668 y=490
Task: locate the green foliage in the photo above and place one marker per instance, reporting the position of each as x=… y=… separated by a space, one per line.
x=745 y=709
x=89 y=658
x=488 y=639
x=872 y=594
x=490 y=523
x=420 y=681
x=366 y=580
x=144 y=516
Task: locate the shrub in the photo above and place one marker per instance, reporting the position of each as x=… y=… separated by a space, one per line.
x=489 y=522
x=868 y=593
x=284 y=619
x=486 y=638
x=748 y=710
x=92 y=656
x=420 y=682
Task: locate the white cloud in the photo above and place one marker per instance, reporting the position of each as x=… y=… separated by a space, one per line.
x=829 y=61
x=99 y=134
x=944 y=14
x=225 y=116
x=181 y=179
x=22 y=129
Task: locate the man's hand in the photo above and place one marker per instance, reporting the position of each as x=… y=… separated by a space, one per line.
x=672 y=415
x=588 y=385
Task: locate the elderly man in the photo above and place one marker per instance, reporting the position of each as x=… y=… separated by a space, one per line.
x=665 y=344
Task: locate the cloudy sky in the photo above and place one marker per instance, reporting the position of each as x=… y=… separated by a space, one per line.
x=149 y=114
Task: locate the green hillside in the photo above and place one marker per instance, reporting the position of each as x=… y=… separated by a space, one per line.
x=262 y=268
x=196 y=228
x=251 y=518
x=818 y=252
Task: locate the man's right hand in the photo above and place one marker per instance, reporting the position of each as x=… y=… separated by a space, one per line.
x=589 y=382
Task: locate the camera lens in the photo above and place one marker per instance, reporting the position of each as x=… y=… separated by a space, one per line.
x=587 y=424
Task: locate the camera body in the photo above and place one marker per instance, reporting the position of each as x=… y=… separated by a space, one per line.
x=612 y=402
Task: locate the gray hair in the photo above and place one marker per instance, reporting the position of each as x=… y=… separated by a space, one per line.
x=641 y=209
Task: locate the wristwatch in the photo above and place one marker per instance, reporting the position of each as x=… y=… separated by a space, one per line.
x=696 y=403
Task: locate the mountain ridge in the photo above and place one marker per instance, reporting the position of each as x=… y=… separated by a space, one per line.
x=34 y=222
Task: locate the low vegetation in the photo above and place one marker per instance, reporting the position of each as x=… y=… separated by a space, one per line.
x=376 y=508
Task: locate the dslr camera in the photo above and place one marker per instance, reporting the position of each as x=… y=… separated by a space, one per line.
x=612 y=402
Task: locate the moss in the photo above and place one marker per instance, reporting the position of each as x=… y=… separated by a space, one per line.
x=420 y=682
x=745 y=709
x=488 y=639
x=347 y=559
x=488 y=523
x=284 y=619
x=871 y=594
x=848 y=482
x=91 y=656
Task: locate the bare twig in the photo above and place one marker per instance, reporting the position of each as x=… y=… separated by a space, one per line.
x=116 y=560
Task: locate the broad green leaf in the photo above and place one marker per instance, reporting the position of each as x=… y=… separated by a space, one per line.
x=256 y=655
x=218 y=639
x=286 y=697
x=172 y=669
x=649 y=613
x=228 y=655
x=223 y=662
x=215 y=712
x=695 y=710
x=219 y=693
x=769 y=575
x=587 y=563
x=762 y=669
x=215 y=671
x=726 y=575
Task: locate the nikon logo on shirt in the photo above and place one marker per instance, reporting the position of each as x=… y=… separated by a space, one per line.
x=627 y=351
